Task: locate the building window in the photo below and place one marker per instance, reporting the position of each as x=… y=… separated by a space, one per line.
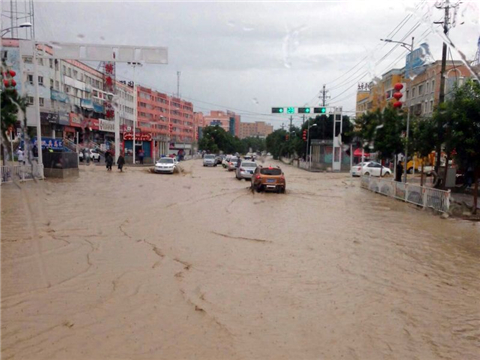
x=30 y=79
x=51 y=83
x=428 y=88
x=75 y=73
x=40 y=80
x=67 y=89
x=31 y=100
x=41 y=101
x=40 y=61
x=69 y=71
x=408 y=94
x=413 y=93
x=420 y=90
x=50 y=61
x=56 y=64
x=27 y=60
x=431 y=105
x=433 y=85
x=57 y=85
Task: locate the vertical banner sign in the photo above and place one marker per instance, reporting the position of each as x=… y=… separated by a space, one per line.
x=337 y=139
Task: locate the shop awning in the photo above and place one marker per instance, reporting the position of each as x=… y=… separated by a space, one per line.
x=358 y=152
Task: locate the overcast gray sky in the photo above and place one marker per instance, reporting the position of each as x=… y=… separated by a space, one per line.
x=251 y=56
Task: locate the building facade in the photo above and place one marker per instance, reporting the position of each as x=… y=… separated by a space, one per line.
x=228 y=120
x=257 y=129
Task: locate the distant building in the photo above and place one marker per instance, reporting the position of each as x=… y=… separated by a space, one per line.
x=256 y=129
x=228 y=120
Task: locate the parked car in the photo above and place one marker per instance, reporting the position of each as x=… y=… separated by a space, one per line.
x=246 y=170
x=94 y=155
x=166 y=165
x=232 y=163
x=372 y=168
x=209 y=160
x=356 y=170
x=268 y=179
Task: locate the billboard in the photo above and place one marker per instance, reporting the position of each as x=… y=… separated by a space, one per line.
x=415 y=60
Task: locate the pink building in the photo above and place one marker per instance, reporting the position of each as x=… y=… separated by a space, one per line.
x=229 y=121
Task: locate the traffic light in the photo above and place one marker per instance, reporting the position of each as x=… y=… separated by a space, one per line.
x=291 y=110
x=278 y=110
x=320 y=110
x=304 y=110
x=286 y=137
x=304 y=135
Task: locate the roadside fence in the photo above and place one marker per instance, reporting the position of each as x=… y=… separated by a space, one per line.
x=10 y=173
x=415 y=194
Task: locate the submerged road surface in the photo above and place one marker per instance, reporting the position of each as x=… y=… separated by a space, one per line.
x=136 y=265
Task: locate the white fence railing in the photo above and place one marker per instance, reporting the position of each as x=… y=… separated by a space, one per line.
x=419 y=195
x=11 y=173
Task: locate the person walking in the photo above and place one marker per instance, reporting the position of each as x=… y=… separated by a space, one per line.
x=399 y=172
x=141 y=154
x=109 y=161
x=21 y=156
x=121 y=162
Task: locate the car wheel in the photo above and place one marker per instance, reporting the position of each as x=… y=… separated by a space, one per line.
x=367 y=174
x=387 y=174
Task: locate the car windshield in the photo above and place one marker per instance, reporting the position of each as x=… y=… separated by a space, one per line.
x=233 y=159
x=165 y=161
x=271 y=171
x=209 y=156
x=249 y=164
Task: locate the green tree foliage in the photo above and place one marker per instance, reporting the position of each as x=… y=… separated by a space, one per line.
x=462 y=131
x=276 y=143
x=215 y=139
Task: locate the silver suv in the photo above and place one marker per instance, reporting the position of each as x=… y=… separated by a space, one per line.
x=209 y=160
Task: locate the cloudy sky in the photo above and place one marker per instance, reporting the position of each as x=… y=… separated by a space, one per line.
x=251 y=56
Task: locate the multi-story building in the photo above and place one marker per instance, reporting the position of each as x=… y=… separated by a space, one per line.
x=423 y=91
x=229 y=121
x=256 y=129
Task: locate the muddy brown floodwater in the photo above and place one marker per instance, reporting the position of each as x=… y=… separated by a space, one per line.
x=195 y=266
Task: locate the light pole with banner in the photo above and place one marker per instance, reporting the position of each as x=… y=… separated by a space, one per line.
x=309 y=153
x=398 y=104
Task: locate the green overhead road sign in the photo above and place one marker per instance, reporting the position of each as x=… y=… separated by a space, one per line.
x=290 y=110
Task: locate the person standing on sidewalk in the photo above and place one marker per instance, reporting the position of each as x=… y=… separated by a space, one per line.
x=109 y=161
x=399 y=172
x=141 y=154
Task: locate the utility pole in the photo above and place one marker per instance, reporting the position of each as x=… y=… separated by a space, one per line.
x=290 y=128
x=324 y=96
x=441 y=97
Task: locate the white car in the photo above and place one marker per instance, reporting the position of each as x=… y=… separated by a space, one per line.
x=356 y=170
x=372 y=168
x=166 y=165
x=232 y=163
x=226 y=160
x=209 y=160
x=246 y=170
x=92 y=153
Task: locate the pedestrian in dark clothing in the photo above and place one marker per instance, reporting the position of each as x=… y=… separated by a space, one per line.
x=399 y=172
x=35 y=151
x=239 y=161
x=141 y=154
x=121 y=162
x=109 y=161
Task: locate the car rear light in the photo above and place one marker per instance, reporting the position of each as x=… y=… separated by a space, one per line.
x=242 y=169
x=359 y=168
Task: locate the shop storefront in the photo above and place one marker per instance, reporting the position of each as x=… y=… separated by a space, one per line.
x=143 y=141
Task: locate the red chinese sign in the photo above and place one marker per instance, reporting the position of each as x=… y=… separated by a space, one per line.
x=138 y=136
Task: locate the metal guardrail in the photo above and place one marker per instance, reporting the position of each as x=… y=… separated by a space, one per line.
x=10 y=173
x=415 y=194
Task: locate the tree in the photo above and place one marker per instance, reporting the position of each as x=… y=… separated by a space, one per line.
x=463 y=130
x=216 y=139
x=423 y=139
x=276 y=143
x=388 y=138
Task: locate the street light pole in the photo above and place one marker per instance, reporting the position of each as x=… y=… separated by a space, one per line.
x=37 y=110
x=409 y=47
x=308 y=140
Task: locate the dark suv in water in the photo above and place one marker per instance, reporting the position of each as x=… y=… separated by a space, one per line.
x=268 y=179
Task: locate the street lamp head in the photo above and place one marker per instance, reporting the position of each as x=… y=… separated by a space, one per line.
x=25 y=25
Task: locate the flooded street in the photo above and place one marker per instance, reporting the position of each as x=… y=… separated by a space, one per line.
x=136 y=265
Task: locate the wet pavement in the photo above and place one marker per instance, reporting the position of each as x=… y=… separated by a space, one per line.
x=137 y=265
